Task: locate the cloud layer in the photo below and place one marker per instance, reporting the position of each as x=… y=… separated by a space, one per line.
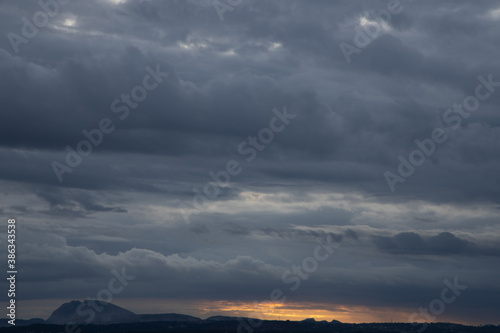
x=322 y=175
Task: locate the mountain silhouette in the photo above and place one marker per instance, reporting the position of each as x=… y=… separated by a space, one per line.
x=90 y=311
x=100 y=312
x=104 y=317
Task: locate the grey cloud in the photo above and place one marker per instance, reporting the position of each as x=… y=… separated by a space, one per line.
x=444 y=243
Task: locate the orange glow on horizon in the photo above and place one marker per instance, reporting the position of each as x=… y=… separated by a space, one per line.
x=299 y=311
x=266 y=310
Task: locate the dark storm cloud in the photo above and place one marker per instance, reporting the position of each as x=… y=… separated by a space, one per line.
x=65 y=203
x=321 y=176
x=410 y=242
x=298 y=234
x=196 y=114
x=444 y=243
x=351 y=234
x=74 y=204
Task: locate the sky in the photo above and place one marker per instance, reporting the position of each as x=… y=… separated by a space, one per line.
x=275 y=159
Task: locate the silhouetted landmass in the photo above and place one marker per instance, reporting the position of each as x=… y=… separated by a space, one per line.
x=21 y=322
x=73 y=317
x=231 y=326
x=91 y=311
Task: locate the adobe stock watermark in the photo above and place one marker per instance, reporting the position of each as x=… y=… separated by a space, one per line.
x=222 y=6
x=374 y=23
x=115 y=286
x=437 y=306
x=120 y=106
x=452 y=118
x=294 y=276
x=40 y=19
x=222 y=178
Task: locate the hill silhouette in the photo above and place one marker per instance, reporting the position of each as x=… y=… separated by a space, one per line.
x=99 y=312
x=92 y=316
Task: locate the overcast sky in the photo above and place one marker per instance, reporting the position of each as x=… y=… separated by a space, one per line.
x=312 y=105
